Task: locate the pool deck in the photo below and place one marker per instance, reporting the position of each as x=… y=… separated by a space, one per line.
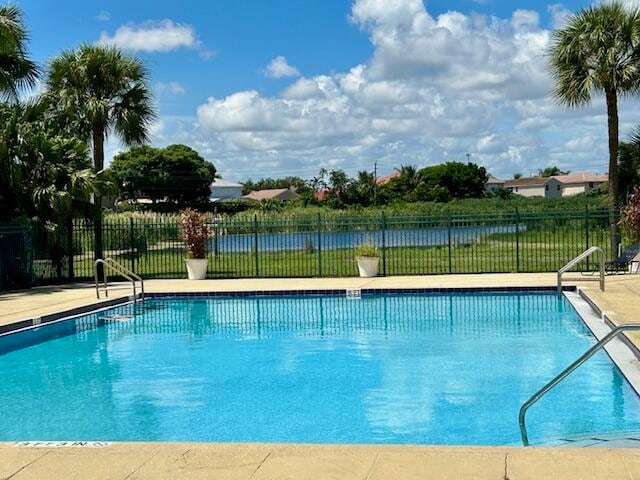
x=269 y=461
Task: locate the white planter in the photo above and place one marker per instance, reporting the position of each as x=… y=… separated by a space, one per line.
x=197 y=268
x=368 y=266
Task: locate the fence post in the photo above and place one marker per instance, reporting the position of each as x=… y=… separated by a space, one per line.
x=133 y=247
x=383 y=225
x=255 y=243
x=586 y=231
x=517 y=240
x=70 y=248
x=449 y=243
x=215 y=239
x=58 y=253
x=319 y=232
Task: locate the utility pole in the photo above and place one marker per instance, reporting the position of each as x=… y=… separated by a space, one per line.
x=468 y=157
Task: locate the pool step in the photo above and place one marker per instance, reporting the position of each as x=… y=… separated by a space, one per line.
x=118 y=317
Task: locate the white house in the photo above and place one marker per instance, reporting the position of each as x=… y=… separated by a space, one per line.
x=581 y=182
x=224 y=191
x=556 y=186
x=493 y=184
x=547 y=187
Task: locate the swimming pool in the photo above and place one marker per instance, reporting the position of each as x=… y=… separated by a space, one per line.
x=394 y=368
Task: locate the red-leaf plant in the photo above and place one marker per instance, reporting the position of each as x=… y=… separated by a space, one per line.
x=195 y=232
x=631 y=215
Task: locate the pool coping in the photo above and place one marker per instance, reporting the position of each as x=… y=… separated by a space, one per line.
x=36 y=322
x=621 y=351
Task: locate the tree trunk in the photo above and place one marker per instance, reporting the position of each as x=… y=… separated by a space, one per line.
x=98 y=164
x=612 y=120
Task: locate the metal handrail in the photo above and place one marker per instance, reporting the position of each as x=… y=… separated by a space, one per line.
x=565 y=373
x=120 y=270
x=587 y=253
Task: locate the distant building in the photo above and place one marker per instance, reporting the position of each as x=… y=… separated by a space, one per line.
x=322 y=194
x=279 y=194
x=387 y=178
x=224 y=191
x=547 y=187
x=493 y=184
x=556 y=186
x=581 y=182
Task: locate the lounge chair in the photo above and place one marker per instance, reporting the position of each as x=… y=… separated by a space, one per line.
x=623 y=261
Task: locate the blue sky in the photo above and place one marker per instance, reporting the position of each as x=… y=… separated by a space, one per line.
x=351 y=81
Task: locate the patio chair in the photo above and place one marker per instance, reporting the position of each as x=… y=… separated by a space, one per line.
x=622 y=262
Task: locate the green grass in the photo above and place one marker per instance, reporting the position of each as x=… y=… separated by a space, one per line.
x=537 y=251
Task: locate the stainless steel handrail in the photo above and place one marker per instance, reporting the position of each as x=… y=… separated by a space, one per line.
x=587 y=253
x=120 y=270
x=565 y=373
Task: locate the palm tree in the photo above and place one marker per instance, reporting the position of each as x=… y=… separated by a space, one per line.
x=598 y=51
x=16 y=70
x=98 y=91
x=102 y=91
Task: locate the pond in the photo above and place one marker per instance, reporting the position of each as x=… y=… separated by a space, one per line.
x=418 y=237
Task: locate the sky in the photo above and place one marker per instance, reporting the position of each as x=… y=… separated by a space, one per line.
x=285 y=87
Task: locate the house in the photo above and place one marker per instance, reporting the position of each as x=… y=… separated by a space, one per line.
x=322 y=194
x=493 y=184
x=387 y=178
x=580 y=182
x=547 y=187
x=556 y=186
x=224 y=191
x=279 y=194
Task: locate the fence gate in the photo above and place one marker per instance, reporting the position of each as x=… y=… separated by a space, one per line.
x=16 y=257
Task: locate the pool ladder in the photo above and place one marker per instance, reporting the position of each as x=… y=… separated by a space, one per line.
x=111 y=264
x=566 y=372
x=587 y=253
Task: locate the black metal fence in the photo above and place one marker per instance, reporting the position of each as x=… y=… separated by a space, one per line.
x=323 y=246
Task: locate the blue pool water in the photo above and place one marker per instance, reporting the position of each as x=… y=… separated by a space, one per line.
x=425 y=369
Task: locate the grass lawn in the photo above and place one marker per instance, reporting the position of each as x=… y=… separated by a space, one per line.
x=535 y=251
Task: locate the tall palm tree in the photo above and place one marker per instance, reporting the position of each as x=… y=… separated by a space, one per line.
x=99 y=91
x=598 y=51
x=102 y=91
x=17 y=71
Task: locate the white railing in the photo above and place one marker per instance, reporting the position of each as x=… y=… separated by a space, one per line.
x=587 y=253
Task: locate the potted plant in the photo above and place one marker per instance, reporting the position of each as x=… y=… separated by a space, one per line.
x=195 y=234
x=368 y=259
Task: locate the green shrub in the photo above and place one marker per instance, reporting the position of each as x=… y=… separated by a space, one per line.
x=367 y=250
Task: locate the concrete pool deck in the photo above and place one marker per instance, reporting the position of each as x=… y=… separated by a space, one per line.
x=265 y=461
x=220 y=461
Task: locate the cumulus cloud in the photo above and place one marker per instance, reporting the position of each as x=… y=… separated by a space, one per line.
x=152 y=36
x=278 y=68
x=434 y=88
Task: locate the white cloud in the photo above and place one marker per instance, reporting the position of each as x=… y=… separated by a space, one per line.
x=435 y=88
x=152 y=36
x=278 y=68
x=559 y=14
x=103 y=16
x=171 y=89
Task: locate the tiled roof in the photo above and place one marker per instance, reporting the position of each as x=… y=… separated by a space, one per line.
x=526 y=182
x=387 y=178
x=269 y=194
x=582 y=177
x=495 y=180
